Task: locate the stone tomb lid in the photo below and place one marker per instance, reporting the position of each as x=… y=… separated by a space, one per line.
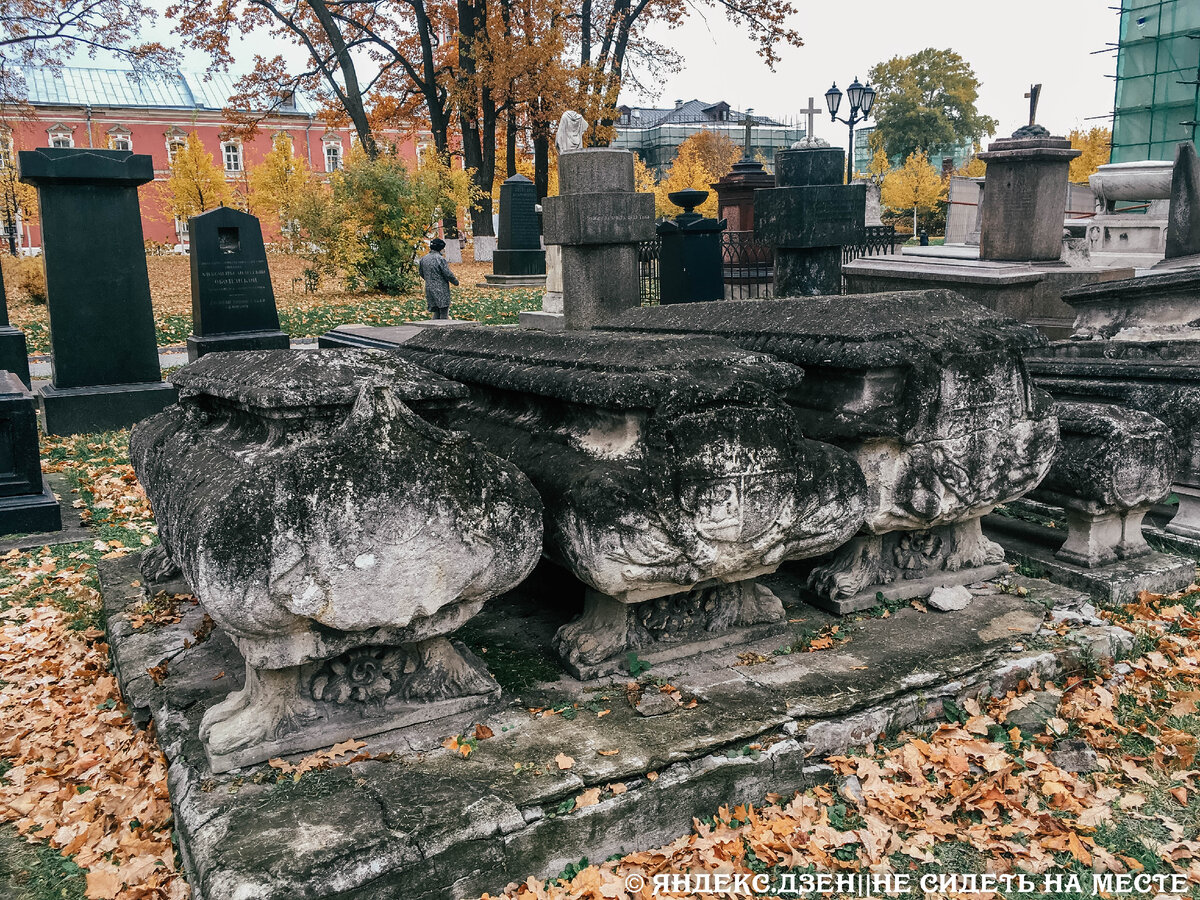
x=615 y=371
x=305 y=379
x=857 y=331
x=1146 y=288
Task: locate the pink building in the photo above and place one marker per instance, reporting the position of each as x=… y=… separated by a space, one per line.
x=109 y=109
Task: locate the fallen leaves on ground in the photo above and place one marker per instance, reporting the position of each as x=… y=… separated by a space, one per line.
x=338 y=755
x=980 y=783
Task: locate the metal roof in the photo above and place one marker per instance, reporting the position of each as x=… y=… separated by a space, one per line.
x=71 y=86
x=693 y=112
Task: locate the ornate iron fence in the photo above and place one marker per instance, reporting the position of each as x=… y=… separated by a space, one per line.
x=649 y=254
x=748 y=266
x=877 y=240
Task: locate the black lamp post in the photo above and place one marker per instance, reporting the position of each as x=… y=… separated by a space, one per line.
x=862 y=98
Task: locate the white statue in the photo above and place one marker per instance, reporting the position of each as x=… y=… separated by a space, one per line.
x=569 y=135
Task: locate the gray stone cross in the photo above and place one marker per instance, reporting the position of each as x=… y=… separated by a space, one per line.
x=811 y=112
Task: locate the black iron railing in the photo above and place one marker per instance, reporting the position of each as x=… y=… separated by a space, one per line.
x=748 y=266
x=877 y=240
x=649 y=254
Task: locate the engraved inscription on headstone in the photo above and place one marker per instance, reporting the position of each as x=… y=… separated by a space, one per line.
x=233 y=303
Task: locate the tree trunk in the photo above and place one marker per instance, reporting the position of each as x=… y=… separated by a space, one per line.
x=541 y=159
x=510 y=143
x=477 y=117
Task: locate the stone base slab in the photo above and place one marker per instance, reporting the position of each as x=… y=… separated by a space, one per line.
x=508 y=281
x=198 y=345
x=905 y=590
x=418 y=821
x=104 y=407
x=542 y=321
x=30 y=513
x=1033 y=547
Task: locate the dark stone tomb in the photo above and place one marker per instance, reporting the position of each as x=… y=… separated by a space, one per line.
x=233 y=303
x=808 y=217
x=519 y=257
x=27 y=504
x=106 y=371
x=14 y=355
x=690 y=259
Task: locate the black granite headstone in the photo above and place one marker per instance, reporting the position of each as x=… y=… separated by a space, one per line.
x=518 y=246
x=14 y=355
x=808 y=218
x=27 y=505
x=1183 y=219
x=233 y=303
x=690 y=268
x=106 y=371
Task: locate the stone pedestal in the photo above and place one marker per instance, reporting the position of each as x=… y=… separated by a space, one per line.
x=736 y=193
x=27 y=505
x=14 y=354
x=106 y=370
x=1026 y=197
x=690 y=265
x=519 y=257
x=807 y=218
x=598 y=221
x=233 y=302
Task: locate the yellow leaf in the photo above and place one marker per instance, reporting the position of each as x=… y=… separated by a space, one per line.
x=563 y=761
x=588 y=798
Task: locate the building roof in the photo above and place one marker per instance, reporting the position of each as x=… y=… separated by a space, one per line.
x=71 y=86
x=691 y=112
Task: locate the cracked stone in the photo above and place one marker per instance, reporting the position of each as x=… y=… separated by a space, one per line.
x=947 y=599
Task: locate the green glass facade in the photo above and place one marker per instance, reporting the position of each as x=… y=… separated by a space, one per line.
x=1157 y=99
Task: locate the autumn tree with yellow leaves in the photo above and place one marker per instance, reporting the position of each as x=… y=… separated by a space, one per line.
x=1096 y=144
x=916 y=185
x=196 y=183
x=278 y=182
x=701 y=159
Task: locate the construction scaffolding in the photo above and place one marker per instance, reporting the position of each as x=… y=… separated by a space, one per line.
x=1158 y=79
x=658 y=145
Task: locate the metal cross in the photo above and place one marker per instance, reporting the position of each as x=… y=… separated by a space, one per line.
x=1035 y=91
x=749 y=125
x=811 y=112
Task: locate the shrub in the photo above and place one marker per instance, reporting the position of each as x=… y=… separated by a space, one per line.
x=29 y=278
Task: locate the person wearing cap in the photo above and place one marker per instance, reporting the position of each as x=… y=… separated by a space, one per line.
x=435 y=271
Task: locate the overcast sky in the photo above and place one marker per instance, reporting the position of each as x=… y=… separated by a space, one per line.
x=1010 y=44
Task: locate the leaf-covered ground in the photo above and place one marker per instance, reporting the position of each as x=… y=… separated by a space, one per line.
x=86 y=788
x=301 y=314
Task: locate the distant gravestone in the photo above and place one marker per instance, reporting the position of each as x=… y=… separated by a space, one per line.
x=598 y=219
x=1026 y=191
x=519 y=257
x=690 y=264
x=27 y=505
x=808 y=218
x=1183 y=220
x=233 y=303
x=14 y=355
x=106 y=371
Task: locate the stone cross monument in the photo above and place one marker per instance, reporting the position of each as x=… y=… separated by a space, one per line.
x=808 y=217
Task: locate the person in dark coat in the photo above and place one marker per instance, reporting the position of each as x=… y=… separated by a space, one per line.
x=437 y=276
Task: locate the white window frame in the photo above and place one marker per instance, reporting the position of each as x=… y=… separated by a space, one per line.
x=232 y=149
x=57 y=133
x=175 y=140
x=7 y=148
x=335 y=145
x=117 y=135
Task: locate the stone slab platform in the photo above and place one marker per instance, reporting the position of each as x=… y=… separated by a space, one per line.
x=419 y=821
x=1032 y=547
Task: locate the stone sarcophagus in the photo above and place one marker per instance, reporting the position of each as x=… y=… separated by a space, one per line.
x=336 y=536
x=1112 y=465
x=1137 y=344
x=672 y=475
x=929 y=393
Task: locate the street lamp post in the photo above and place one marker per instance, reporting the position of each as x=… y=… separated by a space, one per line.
x=862 y=98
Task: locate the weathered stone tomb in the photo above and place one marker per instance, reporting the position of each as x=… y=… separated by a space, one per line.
x=337 y=538
x=671 y=472
x=929 y=393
